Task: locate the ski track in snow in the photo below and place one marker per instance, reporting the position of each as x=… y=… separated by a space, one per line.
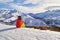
x=5 y=37
x=12 y=33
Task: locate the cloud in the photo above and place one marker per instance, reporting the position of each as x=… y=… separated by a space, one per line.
x=5 y=1
x=52 y=1
x=36 y=9
x=32 y=1
x=27 y=9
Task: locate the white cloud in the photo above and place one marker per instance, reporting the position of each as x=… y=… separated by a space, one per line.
x=5 y=1
x=27 y=9
x=42 y=2
x=52 y=1
x=32 y=1
x=40 y=8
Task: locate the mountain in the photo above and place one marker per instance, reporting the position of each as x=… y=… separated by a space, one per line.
x=50 y=17
x=47 y=18
x=9 y=17
x=30 y=21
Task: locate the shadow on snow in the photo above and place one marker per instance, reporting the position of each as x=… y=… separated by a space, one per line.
x=7 y=29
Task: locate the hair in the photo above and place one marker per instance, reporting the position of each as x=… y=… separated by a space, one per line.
x=19 y=16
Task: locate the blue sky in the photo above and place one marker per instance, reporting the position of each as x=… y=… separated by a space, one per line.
x=6 y=4
x=33 y=6
x=17 y=2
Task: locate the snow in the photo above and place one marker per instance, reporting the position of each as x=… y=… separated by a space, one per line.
x=11 y=33
x=47 y=18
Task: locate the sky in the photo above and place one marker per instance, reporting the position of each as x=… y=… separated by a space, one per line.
x=28 y=6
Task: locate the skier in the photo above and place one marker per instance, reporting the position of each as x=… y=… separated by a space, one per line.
x=20 y=23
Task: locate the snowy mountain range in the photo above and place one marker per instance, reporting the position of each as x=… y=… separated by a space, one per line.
x=9 y=17
x=51 y=18
x=47 y=18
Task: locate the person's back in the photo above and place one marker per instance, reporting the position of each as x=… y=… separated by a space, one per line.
x=19 y=23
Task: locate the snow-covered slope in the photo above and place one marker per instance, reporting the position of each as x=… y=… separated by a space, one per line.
x=12 y=33
x=8 y=15
x=50 y=17
x=30 y=21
